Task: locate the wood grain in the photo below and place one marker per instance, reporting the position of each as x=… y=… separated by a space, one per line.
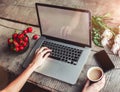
x=24 y=11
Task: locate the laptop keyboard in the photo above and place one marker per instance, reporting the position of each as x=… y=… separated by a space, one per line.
x=63 y=53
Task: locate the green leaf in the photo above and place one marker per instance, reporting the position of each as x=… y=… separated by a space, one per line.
x=107 y=15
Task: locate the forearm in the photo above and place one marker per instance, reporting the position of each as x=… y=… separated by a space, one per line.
x=40 y=56
x=18 y=83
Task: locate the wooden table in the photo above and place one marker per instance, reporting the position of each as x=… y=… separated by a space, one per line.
x=16 y=14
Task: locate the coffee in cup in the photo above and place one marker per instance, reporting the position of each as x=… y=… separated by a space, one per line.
x=95 y=74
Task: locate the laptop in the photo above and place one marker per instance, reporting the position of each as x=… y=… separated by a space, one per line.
x=67 y=31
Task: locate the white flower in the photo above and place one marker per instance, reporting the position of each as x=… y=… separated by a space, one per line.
x=104 y=41
x=107 y=34
x=117 y=39
x=115 y=48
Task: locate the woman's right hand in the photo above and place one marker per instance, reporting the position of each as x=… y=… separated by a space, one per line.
x=41 y=55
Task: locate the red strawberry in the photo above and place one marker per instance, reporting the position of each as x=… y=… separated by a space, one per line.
x=16 y=43
x=24 y=44
x=21 y=42
x=24 y=32
x=21 y=47
x=29 y=29
x=16 y=49
x=14 y=36
x=10 y=40
x=20 y=36
x=35 y=37
x=26 y=39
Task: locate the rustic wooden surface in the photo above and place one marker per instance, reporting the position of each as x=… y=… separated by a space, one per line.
x=24 y=11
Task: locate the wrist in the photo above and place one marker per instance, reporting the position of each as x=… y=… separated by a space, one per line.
x=33 y=66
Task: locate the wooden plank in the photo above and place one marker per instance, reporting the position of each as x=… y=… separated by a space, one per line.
x=17 y=26
x=115 y=59
x=69 y=3
x=28 y=3
x=8 y=2
x=2 y=10
x=22 y=14
x=112 y=85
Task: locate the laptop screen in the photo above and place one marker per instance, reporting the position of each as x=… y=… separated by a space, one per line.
x=67 y=24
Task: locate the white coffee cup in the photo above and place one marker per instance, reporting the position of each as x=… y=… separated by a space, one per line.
x=95 y=74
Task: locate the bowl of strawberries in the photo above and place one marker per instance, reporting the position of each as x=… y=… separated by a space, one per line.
x=19 y=42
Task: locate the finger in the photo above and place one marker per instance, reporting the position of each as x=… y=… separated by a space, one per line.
x=45 y=51
x=46 y=56
x=100 y=84
x=41 y=50
x=102 y=81
x=87 y=84
x=37 y=50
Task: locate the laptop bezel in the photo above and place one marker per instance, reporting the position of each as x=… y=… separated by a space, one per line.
x=66 y=8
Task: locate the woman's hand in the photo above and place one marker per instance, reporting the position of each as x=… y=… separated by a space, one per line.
x=95 y=87
x=40 y=56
